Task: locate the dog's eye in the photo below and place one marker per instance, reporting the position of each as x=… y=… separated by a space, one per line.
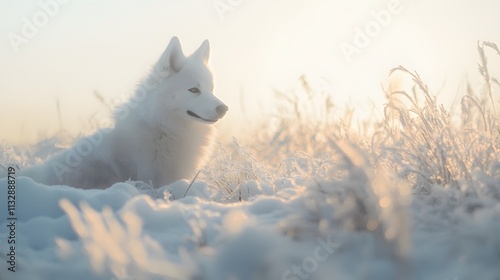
x=195 y=90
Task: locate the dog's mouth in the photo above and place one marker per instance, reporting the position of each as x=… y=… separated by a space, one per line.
x=193 y=114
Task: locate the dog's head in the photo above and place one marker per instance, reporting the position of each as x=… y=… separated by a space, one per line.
x=184 y=87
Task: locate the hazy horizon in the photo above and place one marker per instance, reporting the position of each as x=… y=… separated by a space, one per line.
x=256 y=47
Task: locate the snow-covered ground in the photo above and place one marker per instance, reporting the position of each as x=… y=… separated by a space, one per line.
x=418 y=200
x=359 y=226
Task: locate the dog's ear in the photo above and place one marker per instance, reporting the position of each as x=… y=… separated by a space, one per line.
x=172 y=57
x=203 y=51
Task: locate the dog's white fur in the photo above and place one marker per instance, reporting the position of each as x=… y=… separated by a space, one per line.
x=162 y=134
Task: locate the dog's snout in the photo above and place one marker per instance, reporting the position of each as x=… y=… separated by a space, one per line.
x=221 y=110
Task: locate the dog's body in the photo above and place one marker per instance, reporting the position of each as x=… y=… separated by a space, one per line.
x=160 y=135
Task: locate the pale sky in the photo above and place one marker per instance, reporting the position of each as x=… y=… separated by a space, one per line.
x=256 y=46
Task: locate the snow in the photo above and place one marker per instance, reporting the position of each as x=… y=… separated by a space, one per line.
x=284 y=231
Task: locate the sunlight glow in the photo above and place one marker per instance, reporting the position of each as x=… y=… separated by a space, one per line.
x=257 y=46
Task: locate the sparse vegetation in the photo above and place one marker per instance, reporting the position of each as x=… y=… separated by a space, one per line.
x=417 y=138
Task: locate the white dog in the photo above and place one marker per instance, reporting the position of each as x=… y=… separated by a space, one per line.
x=162 y=134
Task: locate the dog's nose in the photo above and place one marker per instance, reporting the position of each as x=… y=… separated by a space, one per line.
x=221 y=110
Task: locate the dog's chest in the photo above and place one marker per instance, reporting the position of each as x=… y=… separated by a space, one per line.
x=162 y=150
x=168 y=160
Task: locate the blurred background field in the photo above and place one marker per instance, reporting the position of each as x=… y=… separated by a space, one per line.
x=259 y=47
